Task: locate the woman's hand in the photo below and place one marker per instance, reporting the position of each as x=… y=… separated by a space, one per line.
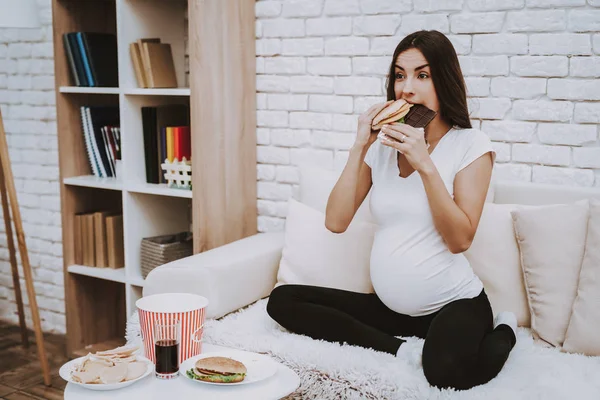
x=410 y=142
x=365 y=136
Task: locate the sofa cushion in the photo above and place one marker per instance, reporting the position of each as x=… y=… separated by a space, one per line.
x=316 y=185
x=494 y=256
x=551 y=242
x=537 y=194
x=312 y=255
x=584 y=327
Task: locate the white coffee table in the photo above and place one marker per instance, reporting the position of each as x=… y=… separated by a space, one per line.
x=284 y=382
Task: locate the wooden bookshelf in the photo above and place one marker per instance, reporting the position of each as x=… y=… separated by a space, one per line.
x=222 y=206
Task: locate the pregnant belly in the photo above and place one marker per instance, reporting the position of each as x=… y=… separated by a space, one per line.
x=405 y=291
x=413 y=284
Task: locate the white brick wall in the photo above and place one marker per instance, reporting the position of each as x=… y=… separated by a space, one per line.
x=27 y=99
x=530 y=66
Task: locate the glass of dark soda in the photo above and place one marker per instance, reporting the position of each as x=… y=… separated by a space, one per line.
x=167 y=336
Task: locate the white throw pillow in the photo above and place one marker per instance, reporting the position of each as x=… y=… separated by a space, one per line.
x=583 y=334
x=494 y=256
x=551 y=242
x=316 y=185
x=312 y=255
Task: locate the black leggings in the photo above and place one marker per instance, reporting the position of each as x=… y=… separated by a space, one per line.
x=461 y=347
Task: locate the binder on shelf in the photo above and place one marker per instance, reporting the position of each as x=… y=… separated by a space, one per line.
x=158 y=66
x=138 y=66
x=112 y=157
x=115 y=138
x=162 y=151
x=183 y=142
x=150 y=143
x=73 y=47
x=88 y=244
x=88 y=143
x=93 y=58
x=77 y=238
x=170 y=151
x=71 y=60
x=143 y=56
x=100 y=125
x=85 y=61
x=100 y=239
x=177 y=142
x=101 y=52
x=114 y=241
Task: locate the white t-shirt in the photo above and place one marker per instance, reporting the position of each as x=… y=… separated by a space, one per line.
x=412 y=270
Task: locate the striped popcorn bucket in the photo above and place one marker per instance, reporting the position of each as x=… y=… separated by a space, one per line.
x=187 y=308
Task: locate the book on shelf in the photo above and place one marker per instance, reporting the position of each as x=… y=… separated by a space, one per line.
x=153 y=63
x=98 y=239
x=92 y=58
x=88 y=247
x=100 y=244
x=102 y=137
x=114 y=241
x=166 y=131
x=78 y=238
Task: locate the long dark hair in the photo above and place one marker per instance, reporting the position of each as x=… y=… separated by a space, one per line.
x=447 y=76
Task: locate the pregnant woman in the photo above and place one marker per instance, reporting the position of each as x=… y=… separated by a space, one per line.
x=428 y=191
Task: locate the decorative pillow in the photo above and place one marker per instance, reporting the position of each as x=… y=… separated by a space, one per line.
x=312 y=255
x=551 y=242
x=583 y=333
x=316 y=185
x=494 y=256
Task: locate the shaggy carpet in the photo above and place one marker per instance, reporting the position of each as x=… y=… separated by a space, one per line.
x=333 y=371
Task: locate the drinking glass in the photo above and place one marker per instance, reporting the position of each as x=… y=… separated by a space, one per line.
x=167 y=336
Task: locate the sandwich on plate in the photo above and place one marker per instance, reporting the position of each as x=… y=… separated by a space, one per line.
x=218 y=370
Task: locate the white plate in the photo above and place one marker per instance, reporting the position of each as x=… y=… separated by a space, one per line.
x=259 y=367
x=66 y=370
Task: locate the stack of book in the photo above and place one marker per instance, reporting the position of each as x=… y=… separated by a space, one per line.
x=166 y=137
x=92 y=58
x=99 y=239
x=153 y=63
x=102 y=135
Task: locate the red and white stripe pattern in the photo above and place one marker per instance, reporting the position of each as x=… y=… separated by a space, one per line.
x=192 y=323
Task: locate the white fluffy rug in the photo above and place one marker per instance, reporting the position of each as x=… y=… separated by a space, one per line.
x=330 y=371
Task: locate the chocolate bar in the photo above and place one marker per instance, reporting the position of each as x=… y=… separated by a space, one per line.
x=419 y=116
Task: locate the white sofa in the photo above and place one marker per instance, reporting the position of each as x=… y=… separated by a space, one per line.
x=242 y=272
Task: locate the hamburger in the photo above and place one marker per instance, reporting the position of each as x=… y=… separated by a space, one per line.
x=393 y=112
x=218 y=370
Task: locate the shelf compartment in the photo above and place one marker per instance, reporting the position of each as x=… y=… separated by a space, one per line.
x=160 y=189
x=146 y=216
x=133 y=144
x=92 y=181
x=158 y=92
x=79 y=16
x=109 y=274
x=88 y=90
x=96 y=312
x=153 y=19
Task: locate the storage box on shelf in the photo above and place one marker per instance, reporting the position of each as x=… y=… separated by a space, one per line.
x=99 y=299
